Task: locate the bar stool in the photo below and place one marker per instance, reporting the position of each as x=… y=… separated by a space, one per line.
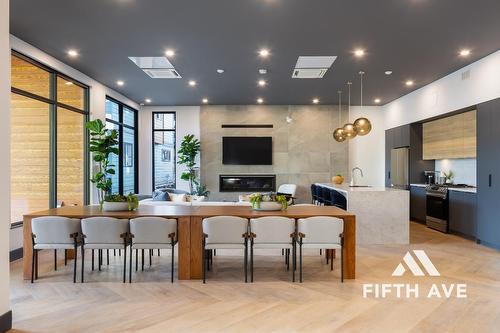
x=273 y=232
x=105 y=233
x=152 y=233
x=54 y=233
x=224 y=232
x=321 y=232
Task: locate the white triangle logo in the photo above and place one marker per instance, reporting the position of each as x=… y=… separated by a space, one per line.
x=414 y=267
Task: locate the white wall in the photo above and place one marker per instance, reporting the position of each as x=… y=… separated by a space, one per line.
x=464 y=169
x=187 y=122
x=5 y=153
x=368 y=152
x=448 y=94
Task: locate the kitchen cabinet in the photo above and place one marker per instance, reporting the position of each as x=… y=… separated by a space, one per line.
x=394 y=138
x=488 y=173
x=462 y=213
x=417 y=204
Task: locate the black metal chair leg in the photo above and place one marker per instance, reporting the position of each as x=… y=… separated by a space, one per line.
x=158 y=252
x=99 y=258
x=287 y=259
x=83 y=263
x=114 y=252
x=36 y=264
x=320 y=252
x=300 y=261
x=130 y=265
x=215 y=252
x=342 y=265
x=150 y=255
x=125 y=263
x=172 y=264
x=282 y=252
x=331 y=260
x=65 y=257
x=33 y=264
x=55 y=259
x=107 y=255
x=326 y=255
x=136 y=259
x=203 y=254
x=92 y=259
x=251 y=261
x=74 y=263
x=294 y=262
x=119 y=252
x=245 y=262
x=142 y=261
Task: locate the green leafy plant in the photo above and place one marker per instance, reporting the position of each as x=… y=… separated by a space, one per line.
x=189 y=149
x=131 y=199
x=448 y=176
x=257 y=198
x=201 y=190
x=103 y=143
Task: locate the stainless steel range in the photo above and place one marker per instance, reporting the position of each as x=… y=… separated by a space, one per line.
x=437 y=207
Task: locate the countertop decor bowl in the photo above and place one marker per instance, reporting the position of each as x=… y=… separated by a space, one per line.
x=268 y=205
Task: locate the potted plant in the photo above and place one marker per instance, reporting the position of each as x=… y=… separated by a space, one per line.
x=104 y=142
x=188 y=151
x=268 y=202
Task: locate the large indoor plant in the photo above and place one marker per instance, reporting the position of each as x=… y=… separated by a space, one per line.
x=188 y=151
x=104 y=142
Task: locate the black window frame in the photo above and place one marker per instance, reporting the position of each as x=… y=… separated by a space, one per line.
x=120 y=123
x=54 y=105
x=153 y=130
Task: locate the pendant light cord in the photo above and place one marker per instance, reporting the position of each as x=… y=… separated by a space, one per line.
x=340 y=107
x=349 y=109
x=361 y=73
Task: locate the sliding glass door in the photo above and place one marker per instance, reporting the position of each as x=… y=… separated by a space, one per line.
x=164 y=157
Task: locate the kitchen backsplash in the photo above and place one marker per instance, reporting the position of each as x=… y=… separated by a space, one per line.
x=464 y=169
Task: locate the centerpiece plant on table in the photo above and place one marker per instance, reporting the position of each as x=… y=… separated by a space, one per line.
x=270 y=201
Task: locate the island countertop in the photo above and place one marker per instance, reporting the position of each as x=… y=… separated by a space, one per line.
x=346 y=188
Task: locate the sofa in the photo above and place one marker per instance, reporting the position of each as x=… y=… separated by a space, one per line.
x=176 y=197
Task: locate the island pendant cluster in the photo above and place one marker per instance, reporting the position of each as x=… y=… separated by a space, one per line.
x=361 y=126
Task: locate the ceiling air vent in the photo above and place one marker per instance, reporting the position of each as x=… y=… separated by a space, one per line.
x=156 y=67
x=314 y=67
x=167 y=73
x=466 y=75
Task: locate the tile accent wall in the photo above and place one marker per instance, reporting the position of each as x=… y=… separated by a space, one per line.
x=463 y=168
x=304 y=151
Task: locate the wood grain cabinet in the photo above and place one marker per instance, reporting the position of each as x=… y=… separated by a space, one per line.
x=462 y=213
x=450 y=137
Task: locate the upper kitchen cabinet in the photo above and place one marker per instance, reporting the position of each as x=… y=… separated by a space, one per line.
x=450 y=137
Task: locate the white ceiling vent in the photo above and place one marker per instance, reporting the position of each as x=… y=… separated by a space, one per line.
x=466 y=75
x=156 y=67
x=312 y=67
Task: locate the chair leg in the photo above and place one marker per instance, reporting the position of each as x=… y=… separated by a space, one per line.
x=211 y=258
x=107 y=255
x=65 y=257
x=342 y=265
x=55 y=259
x=294 y=262
x=326 y=255
x=33 y=255
x=172 y=264
x=36 y=264
x=150 y=255
x=282 y=252
x=136 y=259
x=300 y=261
x=142 y=262
x=245 y=261
x=203 y=254
x=83 y=263
x=92 y=259
x=251 y=261
x=124 y=263
x=215 y=252
x=99 y=257
x=207 y=256
x=158 y=252
x=287 y=259
x=74 y=263
x=320 y=252
x=119 y=252
x=114 y=252
x=130 y=265
x=331 y=260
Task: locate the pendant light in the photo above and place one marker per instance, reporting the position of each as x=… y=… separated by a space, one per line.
x=338 y=134
x=362 y=125
x=349 y=129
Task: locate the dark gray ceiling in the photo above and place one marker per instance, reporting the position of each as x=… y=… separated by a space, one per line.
x=417 y=39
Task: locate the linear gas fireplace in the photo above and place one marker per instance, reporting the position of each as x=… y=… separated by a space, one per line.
x=247 y=183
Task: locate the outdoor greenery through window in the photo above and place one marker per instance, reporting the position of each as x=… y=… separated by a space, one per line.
x=164 y=158
x=123 y=119
x=48 y=139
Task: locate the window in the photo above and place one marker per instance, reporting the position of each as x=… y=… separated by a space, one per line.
x=48 y=138
x=123 y=119
x=164 y=150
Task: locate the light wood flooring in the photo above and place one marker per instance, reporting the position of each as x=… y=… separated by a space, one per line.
x=272 y=303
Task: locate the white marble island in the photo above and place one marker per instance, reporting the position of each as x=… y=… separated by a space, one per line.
x=382 y=214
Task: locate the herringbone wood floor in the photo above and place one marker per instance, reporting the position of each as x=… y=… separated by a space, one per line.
x=272 y=303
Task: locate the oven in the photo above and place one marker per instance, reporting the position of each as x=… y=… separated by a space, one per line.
x=437 y=208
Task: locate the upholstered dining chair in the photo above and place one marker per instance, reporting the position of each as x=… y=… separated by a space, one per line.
x=103 y=233
x=54 y=233
x=224 y=232
x=321 y=232
x=273 y=232
x=149 y=233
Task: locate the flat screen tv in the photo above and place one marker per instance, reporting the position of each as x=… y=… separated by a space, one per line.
x=247 y=150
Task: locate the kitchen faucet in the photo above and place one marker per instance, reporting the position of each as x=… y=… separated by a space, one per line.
x=353 y=182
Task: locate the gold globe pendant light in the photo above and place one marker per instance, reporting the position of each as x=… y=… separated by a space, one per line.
x=349 y=129
x=362 y=125
x=338 y=134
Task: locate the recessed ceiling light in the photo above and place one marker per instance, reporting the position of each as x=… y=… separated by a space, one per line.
x=120 y=82
x=388 y=72
x=359 y=53
x=192 y=83
x=73 y=53
x=204 y=101
x=220 y=71
x=147 y=100
x=464 y=52
x=260 y=100
x=264 y=53
x=262 y=71
x=142 y=104
x=376 y=100
x=262 y=83
x=315 y=100
x=170 y=53
x=409 y=83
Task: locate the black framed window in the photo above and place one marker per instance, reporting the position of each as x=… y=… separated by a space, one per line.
x=49 y=156
x=124 y=119
x=164 y=150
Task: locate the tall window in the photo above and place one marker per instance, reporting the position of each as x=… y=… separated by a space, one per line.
x=48 y=138
x=164 y=158
x=123 y=119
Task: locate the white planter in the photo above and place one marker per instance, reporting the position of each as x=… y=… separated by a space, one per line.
x=268 y=205
x=114 y=206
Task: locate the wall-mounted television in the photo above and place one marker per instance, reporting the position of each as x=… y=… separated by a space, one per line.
x=247 y=150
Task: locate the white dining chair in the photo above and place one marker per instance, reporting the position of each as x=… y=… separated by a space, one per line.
x=273 y=232
x=224 y=232
x=149 y=233
x=321 y=232
x=54 y=233
x=104 y=233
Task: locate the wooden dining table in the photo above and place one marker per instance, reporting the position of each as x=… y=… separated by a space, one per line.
x=190 y=234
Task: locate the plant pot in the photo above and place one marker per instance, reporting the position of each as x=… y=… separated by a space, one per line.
x=114 y=206
x=268 y=205
x=338 y=180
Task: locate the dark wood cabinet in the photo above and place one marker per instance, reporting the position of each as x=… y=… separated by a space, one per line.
x=488 y=173
x=462 y=214
x=417 y=204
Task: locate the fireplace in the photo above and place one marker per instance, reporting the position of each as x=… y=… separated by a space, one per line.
x=247 y=183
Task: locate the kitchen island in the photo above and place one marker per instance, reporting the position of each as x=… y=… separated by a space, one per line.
x=382 y=214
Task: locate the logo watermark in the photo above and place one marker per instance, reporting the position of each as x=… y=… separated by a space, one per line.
x=407 y=290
